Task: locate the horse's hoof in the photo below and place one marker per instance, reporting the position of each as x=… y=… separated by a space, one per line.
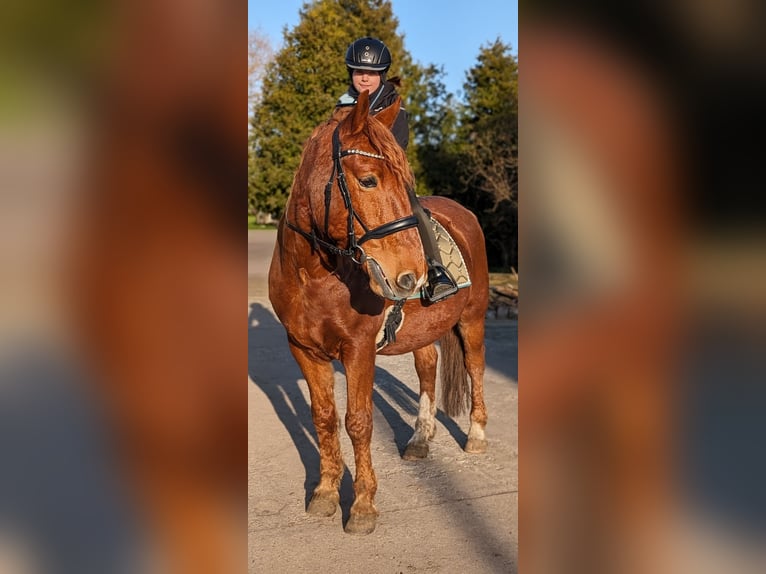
x=360 y=524
x=476 y=446
x=415 y=451
x=322 y=506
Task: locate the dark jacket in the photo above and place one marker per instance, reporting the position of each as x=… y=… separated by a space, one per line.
x=381 y=98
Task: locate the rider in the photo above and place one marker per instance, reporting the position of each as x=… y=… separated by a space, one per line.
x=368 y=60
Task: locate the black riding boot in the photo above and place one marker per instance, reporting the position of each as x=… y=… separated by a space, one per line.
x=440 y=283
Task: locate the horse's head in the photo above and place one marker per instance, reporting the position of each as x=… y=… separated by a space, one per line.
x=364 y=210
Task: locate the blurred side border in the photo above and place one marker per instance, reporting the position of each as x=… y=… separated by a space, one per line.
x=642 y=399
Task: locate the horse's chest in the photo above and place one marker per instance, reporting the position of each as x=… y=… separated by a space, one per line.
x=323 y=318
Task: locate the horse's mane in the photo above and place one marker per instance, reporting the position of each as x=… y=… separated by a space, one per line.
x=386 y=145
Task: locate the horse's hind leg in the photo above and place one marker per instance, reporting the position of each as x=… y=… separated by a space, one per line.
x=472 y=334
x=319 y=376
x=425 y=426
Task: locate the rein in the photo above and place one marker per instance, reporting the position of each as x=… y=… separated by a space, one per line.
x=354 y=249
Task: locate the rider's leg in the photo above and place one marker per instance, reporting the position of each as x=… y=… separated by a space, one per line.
x=440 y=283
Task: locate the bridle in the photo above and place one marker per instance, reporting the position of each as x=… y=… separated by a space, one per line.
x=354 y=249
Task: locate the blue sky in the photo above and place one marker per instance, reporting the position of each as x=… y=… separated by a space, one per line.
x=447 y=33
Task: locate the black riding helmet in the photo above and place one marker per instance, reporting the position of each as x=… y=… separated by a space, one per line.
x=368 y=54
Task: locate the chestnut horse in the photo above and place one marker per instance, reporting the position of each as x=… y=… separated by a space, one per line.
x=347 y=254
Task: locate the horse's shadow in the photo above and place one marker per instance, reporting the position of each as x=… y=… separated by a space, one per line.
x=398 y=394
x=273 y=369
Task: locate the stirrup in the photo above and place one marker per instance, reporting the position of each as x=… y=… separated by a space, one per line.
x=440 y=283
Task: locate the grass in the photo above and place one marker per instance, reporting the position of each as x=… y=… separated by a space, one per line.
x=251 y=224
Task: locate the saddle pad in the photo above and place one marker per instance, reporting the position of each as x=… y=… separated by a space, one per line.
x=451 y=257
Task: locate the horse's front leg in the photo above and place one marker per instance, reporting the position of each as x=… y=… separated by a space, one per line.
x=319 y=376
x=425 y=426
x=360 y=373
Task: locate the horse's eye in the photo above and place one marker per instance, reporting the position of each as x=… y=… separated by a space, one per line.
x=368 y=181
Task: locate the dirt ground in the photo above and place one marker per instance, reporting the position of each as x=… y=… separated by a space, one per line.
x=452 y=512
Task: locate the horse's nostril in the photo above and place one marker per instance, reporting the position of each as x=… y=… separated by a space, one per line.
x=406 y=281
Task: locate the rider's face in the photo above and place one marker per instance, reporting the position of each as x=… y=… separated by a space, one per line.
x=365 y=80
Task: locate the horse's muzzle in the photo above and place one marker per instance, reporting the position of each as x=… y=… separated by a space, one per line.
x=406 y=283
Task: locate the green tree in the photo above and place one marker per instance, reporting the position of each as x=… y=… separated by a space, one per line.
x=433 y=122
x=302 y=84
x=487 y=149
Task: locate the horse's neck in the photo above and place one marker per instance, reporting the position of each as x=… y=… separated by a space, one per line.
x=302 y=252
x=298 y=253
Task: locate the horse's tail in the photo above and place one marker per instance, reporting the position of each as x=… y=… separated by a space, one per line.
x=454 y=378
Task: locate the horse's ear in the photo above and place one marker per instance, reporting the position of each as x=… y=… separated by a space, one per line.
x=361 y=111
x=388 y=115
